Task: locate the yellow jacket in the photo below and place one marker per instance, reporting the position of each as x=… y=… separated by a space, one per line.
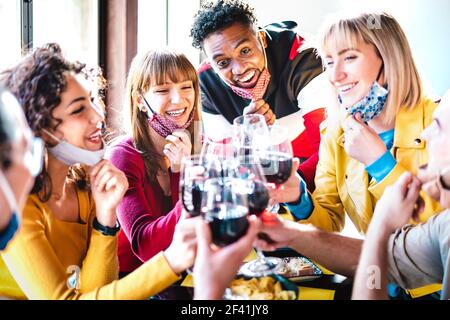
x=39 y=261
x=342 y=183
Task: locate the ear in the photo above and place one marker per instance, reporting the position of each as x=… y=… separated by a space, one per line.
x=48 y=138
x=140 y=104
x=262 y=35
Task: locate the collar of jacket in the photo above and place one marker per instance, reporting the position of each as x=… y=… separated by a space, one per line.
x=409 y=124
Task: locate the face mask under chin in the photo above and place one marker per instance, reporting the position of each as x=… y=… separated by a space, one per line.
x=71 y=155
x=370 y=106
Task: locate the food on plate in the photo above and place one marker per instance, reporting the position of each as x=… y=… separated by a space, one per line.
x=265 y=288
x=298 y=267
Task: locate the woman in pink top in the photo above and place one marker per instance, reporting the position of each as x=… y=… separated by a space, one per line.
x=163 y=101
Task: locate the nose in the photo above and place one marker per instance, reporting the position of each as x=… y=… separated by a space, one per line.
x=96 y=114
x=238 y=67
x=336 y=74
x=175 y=96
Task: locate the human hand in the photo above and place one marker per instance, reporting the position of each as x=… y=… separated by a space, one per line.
x=108 y=185
x=399 y=203
x=290 y=190
x=215 y=267
x=361 y=142
x=281 y=232
x=180 y=146
x=181 y=253
x=261 y=107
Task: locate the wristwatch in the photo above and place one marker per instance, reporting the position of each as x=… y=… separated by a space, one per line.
x=107 y=231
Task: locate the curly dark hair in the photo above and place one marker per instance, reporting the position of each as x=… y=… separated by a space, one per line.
x=38 y=82
x=214 y=16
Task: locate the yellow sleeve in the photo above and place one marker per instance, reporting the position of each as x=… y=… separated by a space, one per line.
x=40 y=274
x=328 y=213
x=100 y=266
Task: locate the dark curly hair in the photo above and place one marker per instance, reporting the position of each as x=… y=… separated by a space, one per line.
x=38 y=82
x=214 y=16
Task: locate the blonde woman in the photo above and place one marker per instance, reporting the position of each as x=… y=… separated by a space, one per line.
x=163 y=100
x=372 y=135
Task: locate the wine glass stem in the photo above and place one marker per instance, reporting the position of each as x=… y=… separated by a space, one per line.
x=274 y=208
x=262 y=258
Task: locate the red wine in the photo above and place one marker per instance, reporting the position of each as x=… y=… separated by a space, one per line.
x=228 y=223
x=191 y=197
x=277 y=167
x=258 y=199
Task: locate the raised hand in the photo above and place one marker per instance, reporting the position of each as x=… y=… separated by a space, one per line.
x=261 y=107
x=215 y=267
x=399 y=203
x=181 y=253
x=180 y=146
x=361 y=142
x=290 y=190
x=108 y=185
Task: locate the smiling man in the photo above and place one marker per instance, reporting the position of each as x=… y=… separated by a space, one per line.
x=270 y=72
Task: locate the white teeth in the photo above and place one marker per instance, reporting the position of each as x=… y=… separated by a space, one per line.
x=347 y=87
x=247 y=77
x=176 y=113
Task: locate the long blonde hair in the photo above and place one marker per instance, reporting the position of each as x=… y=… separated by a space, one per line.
x=385 y=34
x=154 y=68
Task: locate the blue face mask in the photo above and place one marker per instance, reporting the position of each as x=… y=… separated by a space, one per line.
x=371 y=105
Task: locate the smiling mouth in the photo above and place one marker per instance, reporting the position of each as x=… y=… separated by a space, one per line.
x=346 y=88
x=176 y=113
x=249 y=79
x=96 y=138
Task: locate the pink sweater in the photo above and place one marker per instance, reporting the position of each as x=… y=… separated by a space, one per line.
x=146 y=216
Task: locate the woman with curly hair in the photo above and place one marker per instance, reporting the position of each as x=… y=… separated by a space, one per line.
x=67 y=246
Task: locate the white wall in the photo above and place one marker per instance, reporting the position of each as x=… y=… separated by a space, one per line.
x=426 y=23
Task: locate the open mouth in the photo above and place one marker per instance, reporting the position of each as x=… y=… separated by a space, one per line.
x=96 y=137
x=249 y=79
x=176 y=113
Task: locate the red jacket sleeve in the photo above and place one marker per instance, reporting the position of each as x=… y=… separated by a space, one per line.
x=147 y=228
x=307 y=146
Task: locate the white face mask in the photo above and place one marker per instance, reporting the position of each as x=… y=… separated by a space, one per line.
x=9 y=194
x=70 y=154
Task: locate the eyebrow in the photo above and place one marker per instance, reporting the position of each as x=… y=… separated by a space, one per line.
x=75 y=101
x=235 y=47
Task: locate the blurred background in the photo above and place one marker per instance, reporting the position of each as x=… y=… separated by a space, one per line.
x=79 y=25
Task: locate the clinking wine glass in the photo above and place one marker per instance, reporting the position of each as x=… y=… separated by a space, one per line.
x=244 y=130
x=247 y=167
x=225 y=208
x=274 y=151
x=195 y=170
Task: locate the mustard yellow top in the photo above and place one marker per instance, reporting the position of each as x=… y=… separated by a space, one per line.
x=41 y=261
x=342 y=183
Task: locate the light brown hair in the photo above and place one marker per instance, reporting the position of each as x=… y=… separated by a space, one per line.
x=155 y=68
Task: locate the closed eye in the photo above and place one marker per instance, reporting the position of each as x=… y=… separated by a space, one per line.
x=77 y=111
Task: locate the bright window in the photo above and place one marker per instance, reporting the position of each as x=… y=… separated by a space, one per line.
x=10 y=26
x=164 y=23
x=71 y=23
